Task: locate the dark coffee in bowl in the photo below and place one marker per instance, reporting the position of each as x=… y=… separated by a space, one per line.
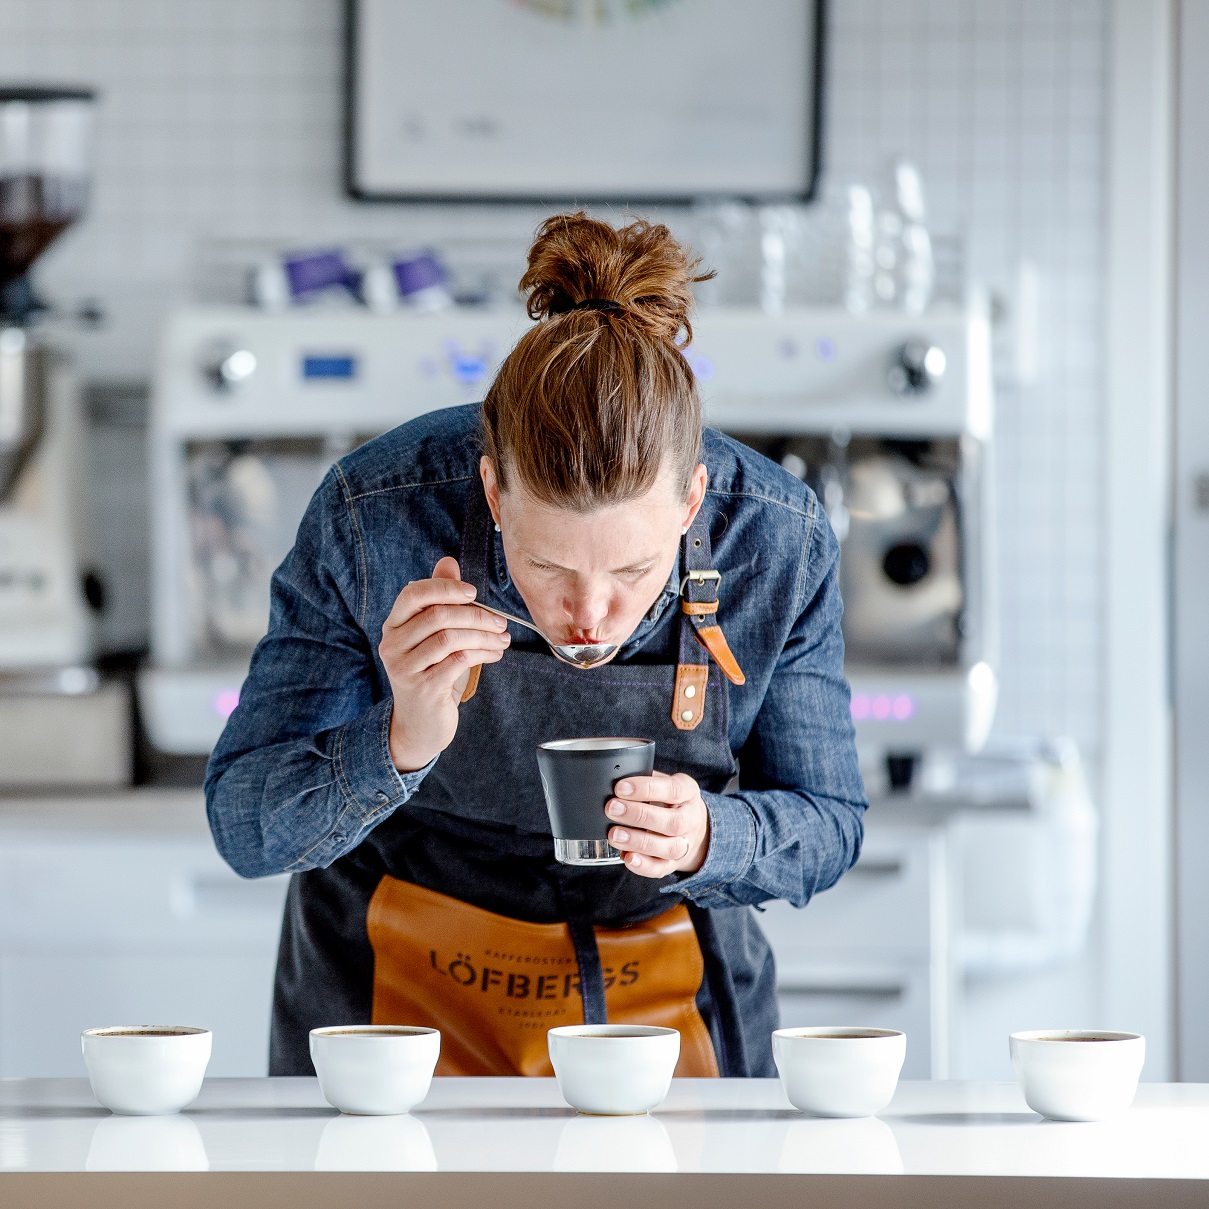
x=619 y=1031
x=841 y=1034
x=401 y=1030
x=146 y=1032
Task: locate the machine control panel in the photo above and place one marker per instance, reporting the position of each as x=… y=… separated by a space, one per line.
x=823 y=370
x=918 y=366
x=329 y=366
x=226 y=364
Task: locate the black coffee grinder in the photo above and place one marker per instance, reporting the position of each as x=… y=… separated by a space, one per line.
x=59 y=725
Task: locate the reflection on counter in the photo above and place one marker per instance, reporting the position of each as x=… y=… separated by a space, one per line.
x=637 y=1143
x=397 y=1143
x=147 y=1144
x=862 y=1147
x=520 y=1125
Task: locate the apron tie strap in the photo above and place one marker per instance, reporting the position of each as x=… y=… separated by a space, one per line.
x=591 y=975
x=729 y=1036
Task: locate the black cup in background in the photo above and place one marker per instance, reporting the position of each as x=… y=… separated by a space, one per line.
x=578 y=776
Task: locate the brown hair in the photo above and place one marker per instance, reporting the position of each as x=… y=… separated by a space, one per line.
x=594 y=400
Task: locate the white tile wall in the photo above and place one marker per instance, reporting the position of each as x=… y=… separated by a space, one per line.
x=222 y=118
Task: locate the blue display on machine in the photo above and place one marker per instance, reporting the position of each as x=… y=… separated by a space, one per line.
x=339 y=367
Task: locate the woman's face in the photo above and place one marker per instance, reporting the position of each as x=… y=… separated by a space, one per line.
x=591 y=576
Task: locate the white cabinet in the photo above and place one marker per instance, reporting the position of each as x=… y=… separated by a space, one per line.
x=874 y=950
x=109 y=919
x=130 y=927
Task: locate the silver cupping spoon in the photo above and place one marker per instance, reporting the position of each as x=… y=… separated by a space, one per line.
x=577 y=654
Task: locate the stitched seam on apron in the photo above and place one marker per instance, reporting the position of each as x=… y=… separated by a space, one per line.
x=466 y=478
x=557 y=670
x=363 y=574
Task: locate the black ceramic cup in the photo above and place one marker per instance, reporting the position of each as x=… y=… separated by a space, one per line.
x=578 y=776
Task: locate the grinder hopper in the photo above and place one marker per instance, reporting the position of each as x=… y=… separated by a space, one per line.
x=45 y=169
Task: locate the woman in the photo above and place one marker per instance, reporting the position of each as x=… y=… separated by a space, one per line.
x=383 y=747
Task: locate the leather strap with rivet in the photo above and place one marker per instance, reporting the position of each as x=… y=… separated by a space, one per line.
x=700 y=635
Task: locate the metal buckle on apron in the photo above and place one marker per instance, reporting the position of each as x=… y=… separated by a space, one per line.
x=709 y=635
x=699 y=580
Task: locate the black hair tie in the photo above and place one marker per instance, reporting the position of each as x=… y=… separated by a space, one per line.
x=598 y=304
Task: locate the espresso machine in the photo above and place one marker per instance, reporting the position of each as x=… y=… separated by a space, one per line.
x=249 y=408
x=59 y=723
x=888 y=417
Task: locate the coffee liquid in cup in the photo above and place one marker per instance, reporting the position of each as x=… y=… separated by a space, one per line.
x=374 y=1031
x=147 y=1032
x=839 y=1036
x=619 y=1031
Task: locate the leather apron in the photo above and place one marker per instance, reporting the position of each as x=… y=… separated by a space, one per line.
x=459 y=915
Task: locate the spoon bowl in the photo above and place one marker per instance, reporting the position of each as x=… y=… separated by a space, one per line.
x=582 y=655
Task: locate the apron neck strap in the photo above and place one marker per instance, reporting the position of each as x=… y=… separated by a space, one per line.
x=697 y=555
x=700 y=632
x=697 y=584
x=476 y=537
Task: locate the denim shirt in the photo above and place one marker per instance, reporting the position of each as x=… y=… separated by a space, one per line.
x=302 y=772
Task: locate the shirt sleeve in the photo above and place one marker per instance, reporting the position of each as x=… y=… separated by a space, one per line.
x=302 y=771
x=795 y=825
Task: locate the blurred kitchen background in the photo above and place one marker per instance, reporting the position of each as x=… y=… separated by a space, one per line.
x=970 y=340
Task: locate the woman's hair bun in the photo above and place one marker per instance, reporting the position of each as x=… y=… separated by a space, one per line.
x=640 y=267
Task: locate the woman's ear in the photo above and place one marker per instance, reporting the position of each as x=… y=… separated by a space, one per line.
x=696 y=496
x=491 y=487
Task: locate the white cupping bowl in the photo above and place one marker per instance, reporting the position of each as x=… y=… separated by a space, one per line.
x=839 y=1072
x=374 y=1070
x=613 y=1070
x=1077 y=1074
x=146 y=1070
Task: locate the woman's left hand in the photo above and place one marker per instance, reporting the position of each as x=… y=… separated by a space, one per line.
x=664 y=824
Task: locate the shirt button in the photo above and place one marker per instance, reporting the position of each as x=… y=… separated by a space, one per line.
x=691 y=691
x=687 y=716
x=337 y=839
x=382 y=795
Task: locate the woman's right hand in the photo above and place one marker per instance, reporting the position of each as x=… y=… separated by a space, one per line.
x=432 y=639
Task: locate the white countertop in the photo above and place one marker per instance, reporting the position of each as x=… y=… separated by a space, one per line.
x=522 y=1125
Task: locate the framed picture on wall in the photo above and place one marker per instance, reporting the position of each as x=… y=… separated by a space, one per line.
x=583 y=100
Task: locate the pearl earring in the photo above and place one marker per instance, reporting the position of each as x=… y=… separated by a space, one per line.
x=497 y=527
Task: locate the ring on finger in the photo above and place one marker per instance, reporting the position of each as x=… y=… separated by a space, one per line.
x=687 y=846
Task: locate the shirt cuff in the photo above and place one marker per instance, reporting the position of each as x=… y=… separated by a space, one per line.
x=367 y=775
x=732 y=848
